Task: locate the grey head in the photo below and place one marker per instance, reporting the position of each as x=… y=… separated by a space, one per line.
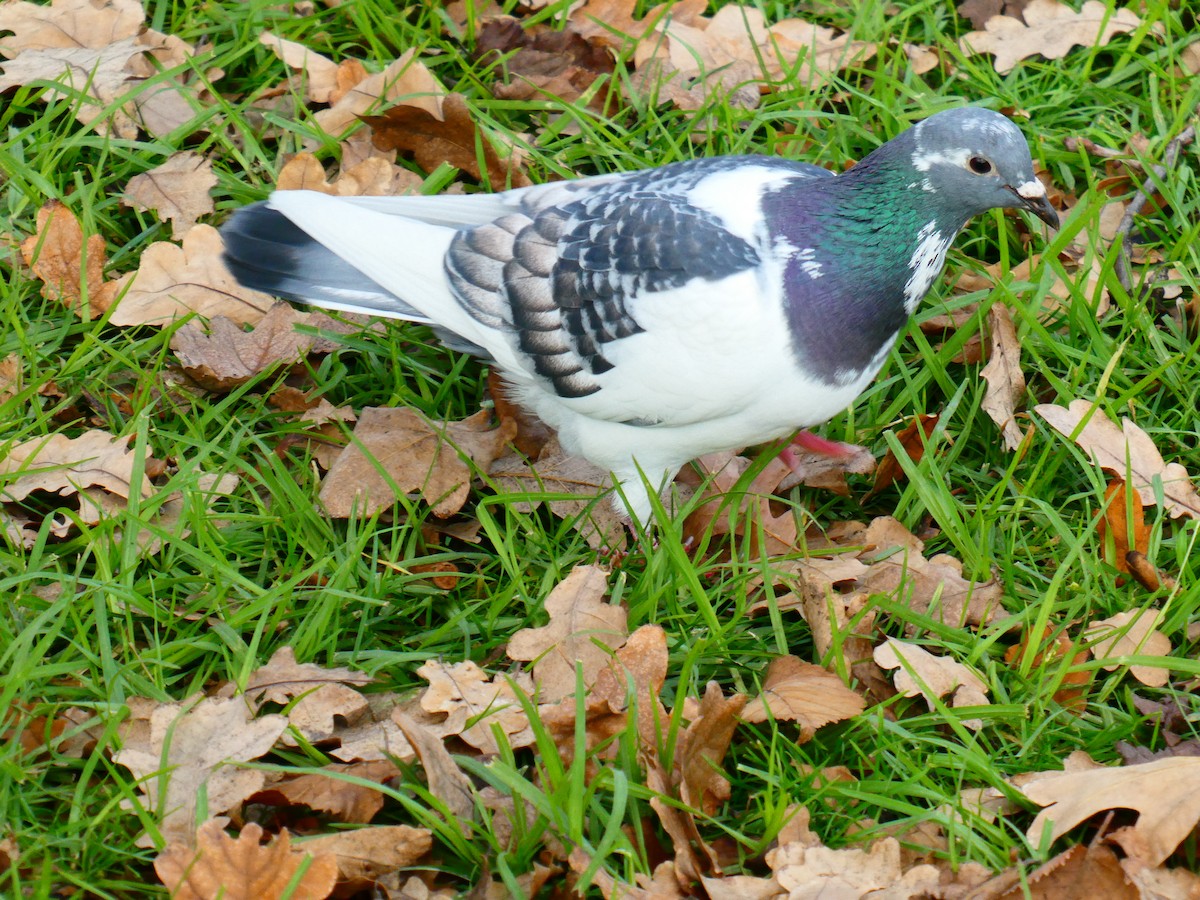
x=980 y=160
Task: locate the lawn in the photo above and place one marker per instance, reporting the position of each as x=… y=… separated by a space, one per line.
x=150 y=600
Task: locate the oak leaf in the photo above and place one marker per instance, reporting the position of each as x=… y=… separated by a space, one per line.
x=913 y=438
x=1127 y=452
x=282 y=678
x=320 y=72
x=371 y=854
x=70 y=268
x=583 y=630
x=1050 y=29
x=405 y=81
x=1165 y=793
x=348 y=801
x=178 y=190
x=243 y=869
x=1005 y=380
x=921 y=673
x=62 y=465
x=173 y=281
x=447 y=782
x=474 y=704
x=178 y=750
x=1131 y=633
x=396 y=450
x=800 y=691
x=227 y=356
x=702 y=748
x=450 y=136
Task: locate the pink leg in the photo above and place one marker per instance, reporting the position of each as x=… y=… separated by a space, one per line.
x=813 y=443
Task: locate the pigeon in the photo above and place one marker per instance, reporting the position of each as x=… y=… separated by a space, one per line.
x=654 y=316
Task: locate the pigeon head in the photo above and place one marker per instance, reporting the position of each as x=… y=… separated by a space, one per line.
x=978 y=160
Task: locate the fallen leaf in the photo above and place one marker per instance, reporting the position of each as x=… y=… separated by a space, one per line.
x=370 y=854
x=11 y=377
x=179 y=190
x=1073 y=693
x=921 y=673
x=63 y=466
x=1050 y=30
x=227 y=356
x=449 y=137
x=802 y=692
x=447 y=782
x=171 y=281
x=1165 y=793
x=1005 y=380
x=320 y=72
x=242 y=868
x=1131 y=633
x=405 y=81
x=702 y=747
x=71 y=269
x=282 y=678
x=540 y=60
x=819 y=871
x=395 y=450
x=578 y=485
x=474 y=704
x=913 y=438
x=372 y=176
x=1127 y=452
x=343 y=799
x=1082 y=872
x=177 y=751
x=583 y=630
x=1125 y=520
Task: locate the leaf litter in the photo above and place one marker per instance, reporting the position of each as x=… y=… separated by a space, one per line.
x=684 y=57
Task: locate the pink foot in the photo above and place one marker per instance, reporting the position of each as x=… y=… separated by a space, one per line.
x=814 y=443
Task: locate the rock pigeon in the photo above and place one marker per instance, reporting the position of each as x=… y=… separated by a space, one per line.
x=654 y=316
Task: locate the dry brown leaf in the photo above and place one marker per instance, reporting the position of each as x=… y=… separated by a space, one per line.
x=583 y=630
x=67 y=23
x=71 y=269
x=1050 y=30
x=1073 y=693
x=818 y=871
x=474 y=704
x=1081 y=872
x=226 y=356
x=374 y=175
x=1158 y=882
x=542 y=60
x=403 y=81
x=282 y=678
x=637 y=673
x=913 y=438
x=802 y=692
x=1131 y=633
x=176 y=749
x=320 y=72
x=370 y=854
x=921 y=673
x=979 y=11
x=344 y=800
x=447 y=782
x=414 y=454
x=172 y=281
x=11 y=376
x=178 y=190
x=1125 y=519
x=702 y=747
x=1128 y=452
x=62 y=465
x=1005 y=380
x=242 y=868
x=821 y=470
x=1166 y=794
x=449 y=137
x=582 y=483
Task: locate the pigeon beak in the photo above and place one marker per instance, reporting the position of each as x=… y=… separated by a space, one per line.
x=1032 y=196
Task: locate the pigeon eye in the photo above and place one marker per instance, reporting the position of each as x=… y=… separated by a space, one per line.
x=980 y=166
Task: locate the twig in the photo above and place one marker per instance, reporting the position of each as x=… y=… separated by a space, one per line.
x=1090 y=146
x=1144 y=193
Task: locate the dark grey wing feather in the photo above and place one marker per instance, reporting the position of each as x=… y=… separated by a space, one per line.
x=561 y=276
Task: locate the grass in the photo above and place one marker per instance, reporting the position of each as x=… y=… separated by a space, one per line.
x=89 y=621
